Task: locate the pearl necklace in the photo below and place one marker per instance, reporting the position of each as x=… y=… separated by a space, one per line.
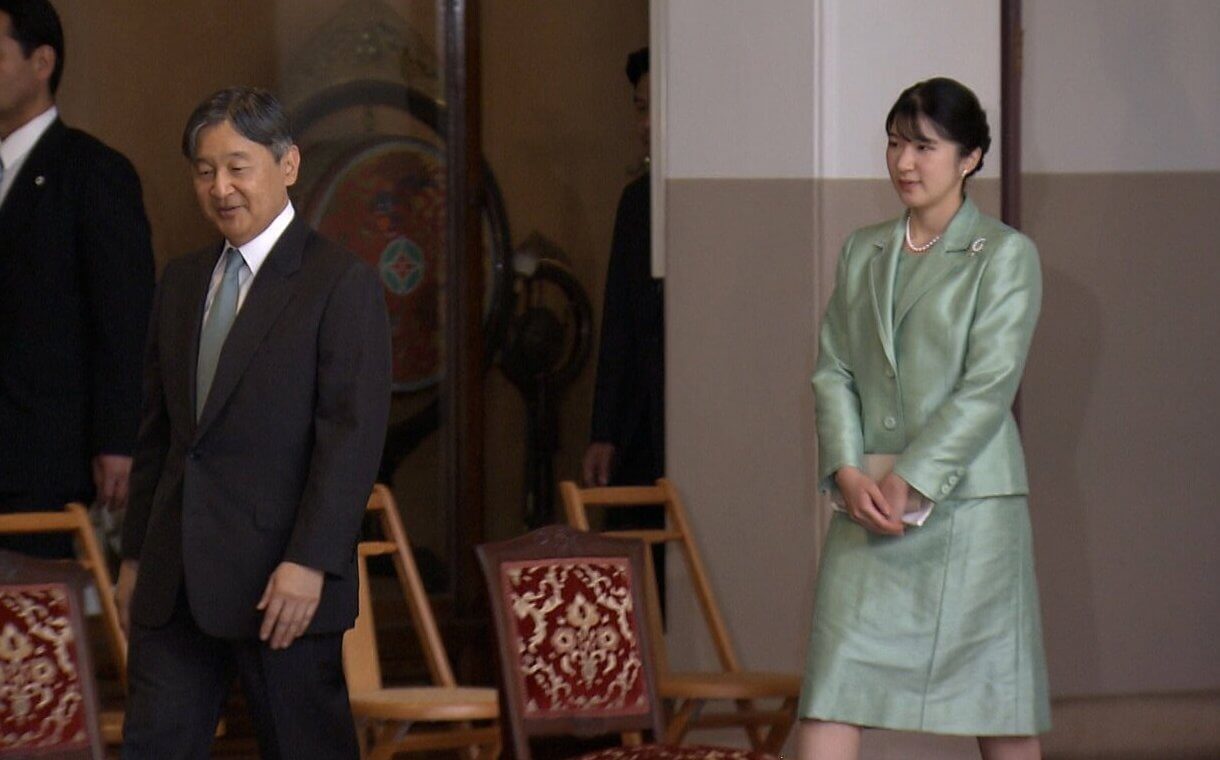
x=918 y=248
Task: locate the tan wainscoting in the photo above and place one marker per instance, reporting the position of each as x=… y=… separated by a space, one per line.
x=1139 y=727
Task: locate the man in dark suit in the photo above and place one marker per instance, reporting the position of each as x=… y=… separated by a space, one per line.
x=76 y=282
x=267 y=391
x=627 y=444
x=628 y=435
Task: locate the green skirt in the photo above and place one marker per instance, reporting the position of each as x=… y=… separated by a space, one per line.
x=936 y=631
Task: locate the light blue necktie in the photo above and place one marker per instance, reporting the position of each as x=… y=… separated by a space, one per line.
x=216 y=327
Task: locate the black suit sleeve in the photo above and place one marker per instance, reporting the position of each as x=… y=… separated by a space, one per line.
x=148 y=459
x=616 y=355
x=118 y=272
x=350 y=416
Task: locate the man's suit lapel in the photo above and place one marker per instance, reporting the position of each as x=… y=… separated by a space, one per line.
x=267 y=297
x=39 y=175
x=881 y=269
x=946 y=259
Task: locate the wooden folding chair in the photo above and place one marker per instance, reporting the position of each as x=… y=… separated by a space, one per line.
x=74 y=519
x=692 y=691
x=575 y=658
x=383 y=714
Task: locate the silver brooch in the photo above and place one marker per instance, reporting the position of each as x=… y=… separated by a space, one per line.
x=977 y=245
x=39 y=181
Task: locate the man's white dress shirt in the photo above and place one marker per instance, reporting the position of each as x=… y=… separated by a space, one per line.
x=15 y=148
x=254 y=253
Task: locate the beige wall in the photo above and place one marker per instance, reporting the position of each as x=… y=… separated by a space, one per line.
x=739 y=100
x=858 y=74
x=738 y=324
x=1121 y=413
x=1121 y=86
x=134 y=72
x=136 y=69
x=1120 y=393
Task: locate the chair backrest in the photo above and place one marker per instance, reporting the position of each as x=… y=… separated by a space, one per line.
x=677 y=530
x=74 y=519
x=574 y=654
x=360 y=644
x=48 y=699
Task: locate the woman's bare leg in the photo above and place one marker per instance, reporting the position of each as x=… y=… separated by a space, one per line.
x=821 y=740
x=1010 y=747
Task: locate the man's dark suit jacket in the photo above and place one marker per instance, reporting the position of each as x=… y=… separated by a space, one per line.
x=76 y=282
x=281 y=462
x=629 y=394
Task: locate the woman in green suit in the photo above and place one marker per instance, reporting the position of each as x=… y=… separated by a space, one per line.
x=929 y=623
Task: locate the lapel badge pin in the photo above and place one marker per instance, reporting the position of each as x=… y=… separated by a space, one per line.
x=40 y=180
x=977 y=246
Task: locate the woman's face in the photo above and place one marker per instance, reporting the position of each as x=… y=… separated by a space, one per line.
x=927 y=172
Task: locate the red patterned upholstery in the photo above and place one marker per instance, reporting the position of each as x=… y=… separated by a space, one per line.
x=672 y=752
x=570 y=624
x=42 y=695
x=578 y=636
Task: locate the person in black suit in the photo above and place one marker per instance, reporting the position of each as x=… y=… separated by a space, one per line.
x=76 y=282
x=628 y=432
x=266 y=398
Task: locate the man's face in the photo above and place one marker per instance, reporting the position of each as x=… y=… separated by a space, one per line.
x=642 y=121
x=23 y=79
x=240 y=186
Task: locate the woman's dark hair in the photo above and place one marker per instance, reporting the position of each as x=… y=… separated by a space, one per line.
x=948 y=104
x=35 y=23
x=255 y=114
x=637 y=65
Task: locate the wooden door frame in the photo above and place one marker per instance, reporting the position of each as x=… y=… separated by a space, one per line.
x=462 y=406
x=1012 y=39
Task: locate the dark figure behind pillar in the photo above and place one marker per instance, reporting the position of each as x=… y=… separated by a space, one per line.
x=628 y=432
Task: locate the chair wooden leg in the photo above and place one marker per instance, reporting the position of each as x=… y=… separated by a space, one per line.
x=490 y=751
x=780 y=729
x=482 y=751
x=385 y=740
x=382 y=751
x=474 y=751
x=752 y=731
x=362 y=737
x=679 y=724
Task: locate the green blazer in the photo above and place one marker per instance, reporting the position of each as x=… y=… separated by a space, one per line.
x=931 y=378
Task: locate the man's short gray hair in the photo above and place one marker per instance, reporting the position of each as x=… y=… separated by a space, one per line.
x=255 y=114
